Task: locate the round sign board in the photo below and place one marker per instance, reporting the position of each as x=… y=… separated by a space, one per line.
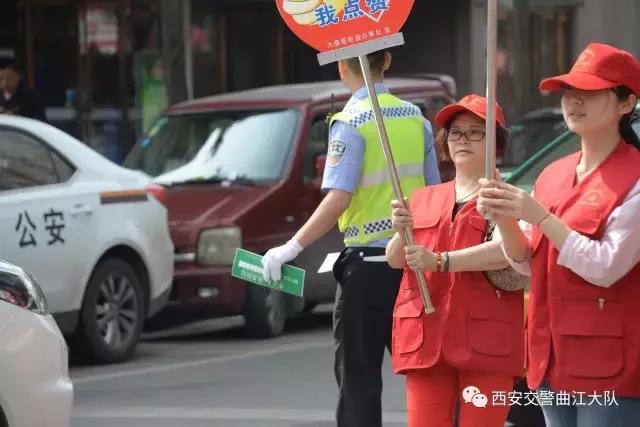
x=328 y=25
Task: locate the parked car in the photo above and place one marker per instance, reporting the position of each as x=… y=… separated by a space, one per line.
x=529 y=134
x=555 y=148
x=96 y=231
x=35 y=390
x=244 y=170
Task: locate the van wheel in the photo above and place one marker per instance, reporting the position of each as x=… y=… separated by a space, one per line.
x=112 y=314
x=309 y=307
x=265 y=312
x=3 y=419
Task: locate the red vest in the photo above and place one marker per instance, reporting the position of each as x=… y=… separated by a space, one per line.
x=475 y=326
x=583 y=337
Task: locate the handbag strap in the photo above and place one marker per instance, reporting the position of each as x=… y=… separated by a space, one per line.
x=488 y=235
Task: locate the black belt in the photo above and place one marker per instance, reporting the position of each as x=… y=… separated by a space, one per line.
x=368 y=254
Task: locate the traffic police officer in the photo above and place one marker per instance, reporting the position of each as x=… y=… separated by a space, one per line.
x=359 y=190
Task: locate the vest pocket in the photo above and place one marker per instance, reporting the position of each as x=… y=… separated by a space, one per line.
x=408 y=329
x=425 y=219
x=489 y=331
x=590 y=342
x=426 y=234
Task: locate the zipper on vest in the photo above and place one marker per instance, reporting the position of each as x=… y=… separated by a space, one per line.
x=498 y=293
x=601 y=304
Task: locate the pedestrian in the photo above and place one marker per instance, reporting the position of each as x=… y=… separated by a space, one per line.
x=580 y=240
x=2 y=92
x=472 y=346
x=359 y=191
x=16 y=97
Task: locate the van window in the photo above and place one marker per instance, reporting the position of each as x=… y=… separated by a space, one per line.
x=437 y=103
x=225 y=145
x=316 y=145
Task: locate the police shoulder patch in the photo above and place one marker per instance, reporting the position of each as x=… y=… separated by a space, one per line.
x=336 y=152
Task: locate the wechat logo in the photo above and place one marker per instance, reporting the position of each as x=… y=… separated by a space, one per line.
x=472 y=395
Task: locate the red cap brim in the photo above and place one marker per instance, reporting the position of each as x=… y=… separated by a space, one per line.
x=578 y=80
x=444 y=116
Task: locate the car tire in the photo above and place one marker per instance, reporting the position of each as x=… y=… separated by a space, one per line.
x=309 y=306
x=112 y=314
x=3 y=419
x=265 y=312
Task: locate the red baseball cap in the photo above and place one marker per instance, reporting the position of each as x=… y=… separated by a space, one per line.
x=474 y=104
x=599 y=66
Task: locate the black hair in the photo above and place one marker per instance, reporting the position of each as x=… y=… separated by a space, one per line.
x=376 y=63
x=626 y=130
x=12 y=63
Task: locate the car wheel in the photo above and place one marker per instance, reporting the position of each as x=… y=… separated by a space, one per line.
x=265 y=312
x=309 y=306
x=3 y=419
x=112 y=314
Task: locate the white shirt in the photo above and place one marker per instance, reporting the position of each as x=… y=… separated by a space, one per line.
x=600 y=262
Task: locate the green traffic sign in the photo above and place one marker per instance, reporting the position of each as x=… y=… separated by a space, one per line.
x=248 y=266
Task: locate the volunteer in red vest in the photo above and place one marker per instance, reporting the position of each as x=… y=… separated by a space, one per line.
x=472 y=348
x=580 y=240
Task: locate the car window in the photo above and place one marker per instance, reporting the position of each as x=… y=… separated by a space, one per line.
x=528 y=178
x=437 y=103
x=316 y=145
x=63 y=168
x=527 y=137
x=27 y=162
x=252 y=145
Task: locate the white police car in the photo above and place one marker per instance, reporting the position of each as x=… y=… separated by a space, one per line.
x=93 y=233
x=35 y=389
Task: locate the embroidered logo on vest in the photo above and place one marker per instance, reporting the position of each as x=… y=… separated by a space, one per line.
x=592 y=198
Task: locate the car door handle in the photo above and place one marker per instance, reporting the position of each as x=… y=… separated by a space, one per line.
x=80 y=210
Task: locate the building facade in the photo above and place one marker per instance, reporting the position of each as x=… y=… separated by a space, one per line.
x=106 y=68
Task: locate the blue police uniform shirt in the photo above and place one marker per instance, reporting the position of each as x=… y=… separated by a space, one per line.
x=346 y=150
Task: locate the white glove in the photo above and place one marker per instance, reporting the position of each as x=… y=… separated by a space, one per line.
x=275 y=257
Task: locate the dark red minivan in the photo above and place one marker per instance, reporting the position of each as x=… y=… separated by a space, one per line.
x=244 y=170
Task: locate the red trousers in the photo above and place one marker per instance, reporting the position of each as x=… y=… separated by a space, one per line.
x=432 y=395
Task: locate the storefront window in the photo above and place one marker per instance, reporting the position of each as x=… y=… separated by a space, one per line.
x=119 y=49
x=54 y=66
x=206 y=25
x=534 y=41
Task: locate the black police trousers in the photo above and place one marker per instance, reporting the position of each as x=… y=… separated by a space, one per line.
x=362 y=321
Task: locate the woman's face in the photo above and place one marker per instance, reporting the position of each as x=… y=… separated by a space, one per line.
x=593 y=111
x=466 y=141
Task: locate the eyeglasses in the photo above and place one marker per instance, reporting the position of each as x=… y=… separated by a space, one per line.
x=474 y=135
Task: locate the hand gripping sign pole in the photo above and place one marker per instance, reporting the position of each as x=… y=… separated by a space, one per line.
x=342 y=29
x=395 y=180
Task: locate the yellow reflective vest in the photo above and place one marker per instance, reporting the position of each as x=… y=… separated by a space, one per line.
x=368 y=217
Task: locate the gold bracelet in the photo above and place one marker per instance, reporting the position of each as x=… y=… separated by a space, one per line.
x=543 y=219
